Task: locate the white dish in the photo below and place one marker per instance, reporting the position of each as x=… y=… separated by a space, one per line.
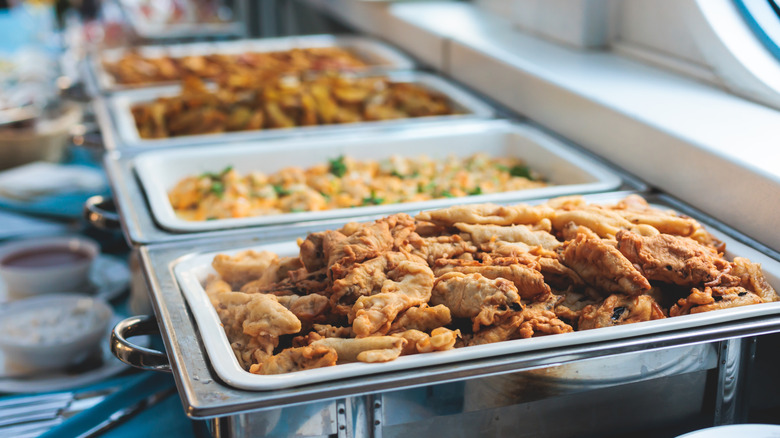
x=377 y=54
x=53 y=331
x=736 y=431
x=57 y=381
x=192 y=271
x=570 y=171
x=120 y=105
x=108 y=278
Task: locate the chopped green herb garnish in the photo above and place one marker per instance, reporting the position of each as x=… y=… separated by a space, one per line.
x=338 y=167
x=217 y=188
x=397 y=175
x=502 y=168
x=211 y=218
x=477 y=191
x=280 y=191
x=296 y=210
x=216 y=175
x=447 y=194
x=522 y=171
x=373 y=200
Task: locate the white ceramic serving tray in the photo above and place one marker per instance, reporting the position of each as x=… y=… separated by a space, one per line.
x=378 y=56
x=191 y=273
x=570 y=171
x=120 y=104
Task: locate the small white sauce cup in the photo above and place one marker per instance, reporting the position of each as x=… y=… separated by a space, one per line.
x=72 y=347
x=24 y=281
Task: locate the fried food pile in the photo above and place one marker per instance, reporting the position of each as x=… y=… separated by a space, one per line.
x=133 y=68
x=344 y=182
x=284 y=102
x=471 y=275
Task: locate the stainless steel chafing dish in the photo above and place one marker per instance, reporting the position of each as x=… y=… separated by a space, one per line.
x=570 y=170
x=378 y=56
x=552 y=391
x=114 y=116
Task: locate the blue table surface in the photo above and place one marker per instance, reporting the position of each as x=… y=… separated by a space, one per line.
x=165 y=418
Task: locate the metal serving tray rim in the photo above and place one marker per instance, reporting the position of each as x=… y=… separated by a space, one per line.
x=392 y=58
x=205 y=397
x=119 y=105
x=190 y=273
x=162 y=211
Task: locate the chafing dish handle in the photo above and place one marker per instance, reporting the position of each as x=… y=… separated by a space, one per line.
x=100 y=213
x=134 y=355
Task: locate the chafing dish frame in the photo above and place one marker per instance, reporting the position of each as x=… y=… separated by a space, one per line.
x=124 y=133
x=140 y=227
x=380 y=56
x=205 y=397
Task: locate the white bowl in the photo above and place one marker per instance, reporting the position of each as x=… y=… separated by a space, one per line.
x=737 y=430
x=53 y=331
x=63 y=276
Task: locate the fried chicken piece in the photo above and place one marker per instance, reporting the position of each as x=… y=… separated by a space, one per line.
x=475 y=296
x=245 y=266
x=402 y=227
x=214 y=287
x=540 y=320
x=528 y=281
x=673 y=259
x=620 y=309
x=307 y=308
x=296 y=359
x=440 y=339
x=367 y=349
x=751 y=278
x=331 y=331
x=312 y=254
x=505 y=329
x=486 y=234
x=636 y=210
x=487 y=214
x=558 y=275
x=444 y=247
x=409 y=283
x=714 y=298
x=422 y=318
x=429 y=229
x=269 y=277
x=570 y=305
x=369 y=242
x=364 y=278
x=253 y=349
x=603 y=266
x=602 y=221
x=266 y=316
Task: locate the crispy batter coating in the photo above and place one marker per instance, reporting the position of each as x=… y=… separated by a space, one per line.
x=620 y=309
x=246 y=266
x=368 y=349
x=472 y=275
x=408 y=283
x=714 y=298
x=296 y=359
x=528 y=281
x=487 y=214
x=475 y=296
x=484 y=234
x=673 y=259
x=422 y=318
x=603 y=266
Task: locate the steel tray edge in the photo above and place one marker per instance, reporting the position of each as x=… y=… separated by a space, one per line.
x=204 y=396
x=141 y=228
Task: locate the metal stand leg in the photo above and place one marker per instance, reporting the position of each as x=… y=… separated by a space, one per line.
x=735 y=358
